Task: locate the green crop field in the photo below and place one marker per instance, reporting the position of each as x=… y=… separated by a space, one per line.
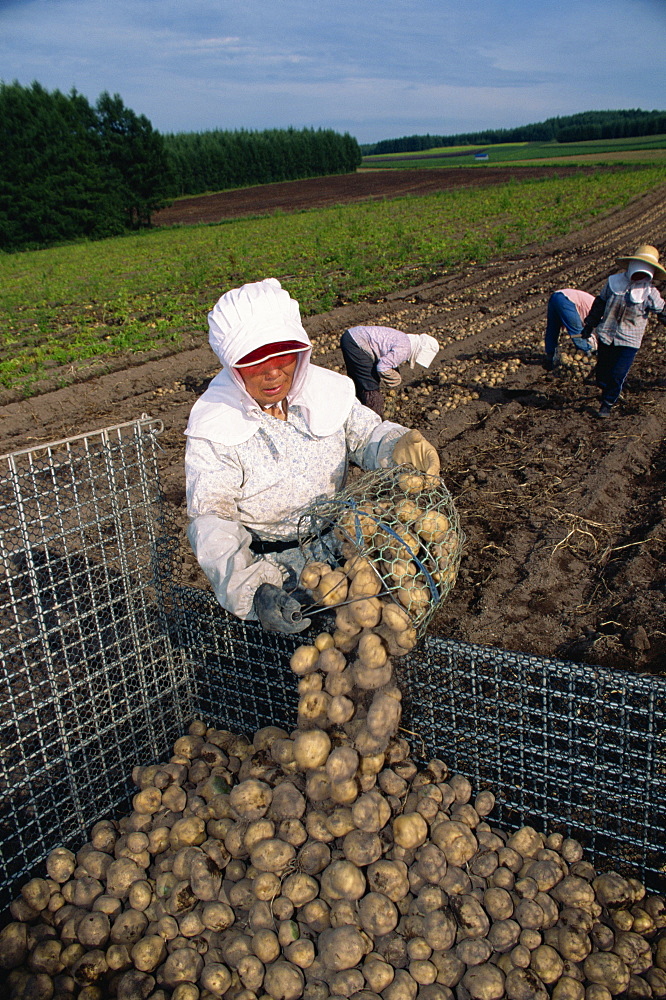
x=649 y=149
x=72 y=307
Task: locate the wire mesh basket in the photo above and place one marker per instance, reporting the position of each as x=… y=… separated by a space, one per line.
x=403 y=524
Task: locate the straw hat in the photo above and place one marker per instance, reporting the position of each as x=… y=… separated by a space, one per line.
x=649 y=255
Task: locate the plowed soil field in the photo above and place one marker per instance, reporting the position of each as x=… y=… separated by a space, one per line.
x=565 y=515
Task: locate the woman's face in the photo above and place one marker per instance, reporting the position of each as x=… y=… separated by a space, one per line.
x=269 y=381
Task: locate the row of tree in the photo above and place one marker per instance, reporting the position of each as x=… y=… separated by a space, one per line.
x=70 y=170
x=570 y=128
x=213 y=161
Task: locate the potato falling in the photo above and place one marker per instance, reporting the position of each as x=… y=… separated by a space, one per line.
x=323 y=862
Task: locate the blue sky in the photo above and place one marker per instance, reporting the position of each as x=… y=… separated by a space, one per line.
x=377 y=69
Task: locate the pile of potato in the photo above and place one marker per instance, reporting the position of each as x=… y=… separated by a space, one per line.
x=325 y=863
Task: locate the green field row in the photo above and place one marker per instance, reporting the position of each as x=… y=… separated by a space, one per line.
x=66 y=307
x=649 y=149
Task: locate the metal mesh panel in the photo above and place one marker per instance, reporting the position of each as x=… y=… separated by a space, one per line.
x=563 y=746
x=88 y=681
x=241 y=677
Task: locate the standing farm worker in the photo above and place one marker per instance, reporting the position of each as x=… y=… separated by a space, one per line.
x=568 y=308
x=373 y=355
x=619 y=314
x=270 y=434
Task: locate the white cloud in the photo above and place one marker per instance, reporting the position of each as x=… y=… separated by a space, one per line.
x=377 y=68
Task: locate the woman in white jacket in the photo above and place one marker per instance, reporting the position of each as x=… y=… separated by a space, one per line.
x=271 y=433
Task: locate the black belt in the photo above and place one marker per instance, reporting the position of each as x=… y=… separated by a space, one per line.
x=263 y=547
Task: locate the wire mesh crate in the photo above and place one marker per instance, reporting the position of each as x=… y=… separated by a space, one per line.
x=105 y=659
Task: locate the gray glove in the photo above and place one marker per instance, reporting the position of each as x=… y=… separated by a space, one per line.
x=390 y=378
x=277 y=611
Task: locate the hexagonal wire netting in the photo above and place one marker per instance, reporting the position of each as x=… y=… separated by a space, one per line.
x=400 y=522
x=105 y=658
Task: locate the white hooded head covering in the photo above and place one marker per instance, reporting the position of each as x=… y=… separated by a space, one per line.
x=424 y=349
x=247 y=318
x=252 y=316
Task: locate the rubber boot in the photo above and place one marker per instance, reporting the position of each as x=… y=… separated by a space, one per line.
x=374 y=400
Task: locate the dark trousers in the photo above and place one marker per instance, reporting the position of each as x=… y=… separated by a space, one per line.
x=613 y=364
x=362 y=370
x=361 y=366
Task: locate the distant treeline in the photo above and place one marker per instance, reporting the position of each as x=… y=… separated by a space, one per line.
x=213 y=161
x=70 y=170
x=571 y=128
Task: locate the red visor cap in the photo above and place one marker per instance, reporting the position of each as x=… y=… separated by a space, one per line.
x=271 y=351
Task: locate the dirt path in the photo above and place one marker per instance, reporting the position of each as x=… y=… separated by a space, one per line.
x=565 y=516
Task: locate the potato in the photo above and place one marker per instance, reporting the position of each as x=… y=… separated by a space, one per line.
x=312 y=573
x=258 y=829
x=120 y=876
x=371 y=678
x=148 y=953
x=439 y=929
x=346 y=641
x=340 y=710
x=432 y=526
x=371 y=650
x=484 y=982
x=608 y=970
x=402 y=571
x=318 y=785
x=414 y=596
x=331 y=660
x=342 y=763
x=60 y=864
x=251 y=799
x=342 y=880
x=331 y=589
x=395 y=617
x=311 y=748
x=189 y=831
x=344 y=622
x=366 y=612
x=215 y=977
x=251 y=974
x=378 y=914
x=377 y=974
x=13 y=945
x=304 y=659
x=407 y=511
x=348 y=983
x=546 y=963
x=313 y=709
x=403 y=987
x=300 y=953
x=341 y=948
x=283 y=981
x=371 y=812
x=365 y=583
x=324 y=641
x=411 y=482
x=384 y=715
x=361 y=848
x=287 y=802
x=456 y=840
x=310 y=682
x=359 y=524
x=265 y=945
x=272 y=855
x=410 y=830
